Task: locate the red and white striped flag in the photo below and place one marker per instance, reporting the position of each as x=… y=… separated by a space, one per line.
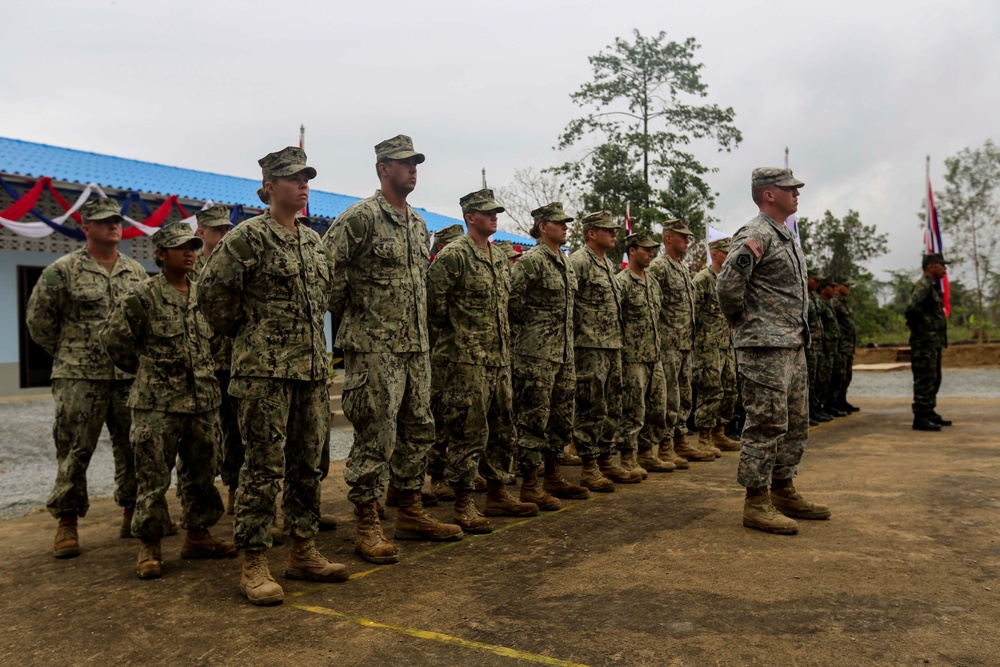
x=628 y=230
x=932 y=239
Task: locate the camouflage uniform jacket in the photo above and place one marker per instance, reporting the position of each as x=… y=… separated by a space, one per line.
x=845 y=319
x=831 y=329
x=925 y=315
x=222 y=345
x=467 y=305
x=815 y=320
x=541 y=305
x=641 y=315
x=380 y=263
x=268 y=289
x=711 y=330
x=677 y=307
x=160 y=336
x=68 y=306
x=597 y=311
x=762 y=287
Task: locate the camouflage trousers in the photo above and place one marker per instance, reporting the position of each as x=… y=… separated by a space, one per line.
x=543 y=408
x=598 y=400
x=836 y=378
x=814 y=362
x=823 y=373
x=777 y=423
x=387 y=397
x=82 y=408
x=192 y=440
x=475 y=417
x=715 y=379
x=284 y=424
x=230 y=456
x=845 y=382
x=677 y=369
x=644 y=407
x=926 y=367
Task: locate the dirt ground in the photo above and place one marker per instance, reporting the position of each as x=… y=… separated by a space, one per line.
x=663 y=573
x=956 y=356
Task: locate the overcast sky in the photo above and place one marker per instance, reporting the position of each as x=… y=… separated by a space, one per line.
x=860 y=92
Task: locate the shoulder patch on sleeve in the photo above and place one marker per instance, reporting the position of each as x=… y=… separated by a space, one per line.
x=754 y=248
x=241 y=249
x=51 y=277
x=743 y=260
x=134 y=307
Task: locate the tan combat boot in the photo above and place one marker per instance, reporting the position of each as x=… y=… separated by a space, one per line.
x=256 y=581
x=413 y=523
x=666 y=453
x=305 y=562
x=705 y=442
x=653 y=463
x=126 y=528
x=468 y=517
x=593 y=479
x=149 y=565
x=617 y=474
x=480 y=484
x=427 y=498
x=559 y=486
x=723 y=441
x=369 y=541
x=631 y=465
x=569 y=456
x=686 y=451
x=202 y=544
x=501 y=503
x=67 y=542
x=788 y=501
x=442 y=490
x=531 y=493
x=359 y=510
x=759 y=514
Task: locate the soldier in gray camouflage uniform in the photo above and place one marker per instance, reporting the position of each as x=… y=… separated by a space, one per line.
x=714 y=360
x=68 y=305
x=268 y=287
x=597 y=343
x=541 y=318
x=467 y=290
x=380 y=258
x=762 y=292
x=158 y=333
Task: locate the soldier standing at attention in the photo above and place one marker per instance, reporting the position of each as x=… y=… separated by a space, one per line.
x=644 y=393
x=268 y=287
x=512 y=253
x=762 y=292
x=65 y=312
x=848 y=341
x=832 y=363
x=467 y=288
x=380 y=250
x=814 y=352
x=928 y=337
x=597 y=356
x=677 y=340
x=541 y=316
x=158 y=333
x=714 y=360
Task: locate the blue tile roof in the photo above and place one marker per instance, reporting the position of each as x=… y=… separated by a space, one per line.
x=27 y=158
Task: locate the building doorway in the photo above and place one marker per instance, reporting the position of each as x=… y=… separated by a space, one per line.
x=35 y=363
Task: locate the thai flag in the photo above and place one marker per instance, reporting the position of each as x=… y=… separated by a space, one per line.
x=932 y=242
x=628 y=230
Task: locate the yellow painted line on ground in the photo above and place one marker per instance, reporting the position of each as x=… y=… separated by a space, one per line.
x=439 y=637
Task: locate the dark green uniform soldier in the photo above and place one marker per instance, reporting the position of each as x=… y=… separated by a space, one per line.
x=814 y=352
x=66 y=309
x=928 y=337
x=848 y=341
x=832 y=362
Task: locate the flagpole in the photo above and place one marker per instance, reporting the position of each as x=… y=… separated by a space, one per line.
x=928 y=227
x=786 y=157
x=302 y=145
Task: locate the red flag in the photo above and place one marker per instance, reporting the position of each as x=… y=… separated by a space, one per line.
x=628 y=230
x=932 y=240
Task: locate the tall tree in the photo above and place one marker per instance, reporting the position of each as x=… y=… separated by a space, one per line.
x=969 y=211
x=839 y=246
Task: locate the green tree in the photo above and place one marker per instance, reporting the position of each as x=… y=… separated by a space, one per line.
x=839 y=246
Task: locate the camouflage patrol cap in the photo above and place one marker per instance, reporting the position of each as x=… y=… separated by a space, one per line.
x=400 y=147
x=825 y=281
x=774 y=176
x=678 y=226
x=600 y=219
x=214 y=216
x=508 y=248
x=932 y=258
x=286 y=162
x=551 y=212
x=480 y=200
x=101 y=209
x=722 y=245
x=446 y=235
x=814 y=274
x=643 y=239
x=175 y=234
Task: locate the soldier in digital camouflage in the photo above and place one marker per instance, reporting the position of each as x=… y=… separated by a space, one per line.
x=157 y=332
x=762 y=293
x=268 y=286
x=512 y=253
x=832 y=368
x=848 y=341
x=928 y=326
x=541 y=317
x=65 y=311
x=814 y=351
x=467 y=290
x=714 y=367
x=380 y=251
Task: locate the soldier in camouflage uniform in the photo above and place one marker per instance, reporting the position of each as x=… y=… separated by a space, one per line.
x=848 y=341
x=158 y=333
x=597 y=356
x=268 y=287
x=512 y=253
x=814 y=352
x=380 y=259
x=644 y=392
x=832 y=368
x=541 y=318
x=467 y=289
x=444 y=236
x=762 y=292
x=68 y=305
x=677 y=341
x=714 y=360
x=928 y=337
